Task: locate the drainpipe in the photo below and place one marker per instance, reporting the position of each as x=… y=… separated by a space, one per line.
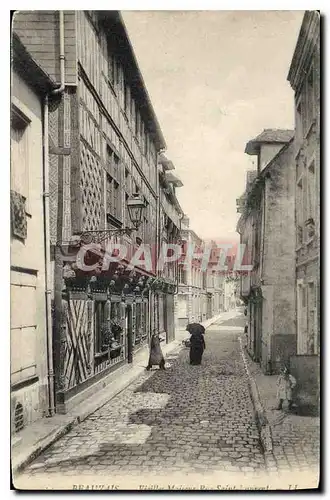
x=177 y=262
x=58 y=91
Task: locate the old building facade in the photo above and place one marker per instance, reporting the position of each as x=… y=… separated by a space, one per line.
x=266 y=227
x=215 y=281
x=194 y=303
x=201 y=288
x=31 y=363
x=171 y=215
x=304 y=77
x=104 y=143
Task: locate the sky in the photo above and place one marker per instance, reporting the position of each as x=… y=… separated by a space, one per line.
x=216 y=79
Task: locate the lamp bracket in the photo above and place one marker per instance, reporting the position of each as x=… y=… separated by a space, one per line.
x=88 y=237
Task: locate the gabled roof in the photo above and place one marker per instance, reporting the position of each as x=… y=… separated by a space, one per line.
x=268 y=136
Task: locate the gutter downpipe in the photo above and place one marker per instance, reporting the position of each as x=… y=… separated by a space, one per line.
x=177 y=262
x=157 y=250
x=49 y=326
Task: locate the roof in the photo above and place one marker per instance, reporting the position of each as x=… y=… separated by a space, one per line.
x=29 y=69
x=268 y=136
x=120 y=35
x=307 y=38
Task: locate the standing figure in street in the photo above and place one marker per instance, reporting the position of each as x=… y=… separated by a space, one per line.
x=285 y=383
x=156 y=356
x=197 y=342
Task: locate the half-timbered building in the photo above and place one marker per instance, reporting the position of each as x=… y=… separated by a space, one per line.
x=104 y=142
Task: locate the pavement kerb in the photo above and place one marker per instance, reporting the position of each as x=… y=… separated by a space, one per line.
x=260 y=414
x=25 y=458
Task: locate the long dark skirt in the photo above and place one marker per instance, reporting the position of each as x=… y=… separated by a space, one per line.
x=196 y=353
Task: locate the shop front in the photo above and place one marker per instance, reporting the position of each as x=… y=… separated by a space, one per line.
x=101 y=319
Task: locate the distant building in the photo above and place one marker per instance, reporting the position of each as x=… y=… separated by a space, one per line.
x=201 y=292
x=215 y=282
x=194 y=304
x=304 y=77
x=169 y=233
x=266 y=227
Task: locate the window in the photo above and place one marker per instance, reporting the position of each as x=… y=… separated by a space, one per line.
x=146 y=143
x=126 y=99
x=311 y=194
x=142 y=134
x=299 y=211
x=19 y=153
x=113 y=198
x=113 y=164
x=19 y=182
x=127 y=195
x=111 y=68
x=182 y=276
x=113 y=187
x=137 y=123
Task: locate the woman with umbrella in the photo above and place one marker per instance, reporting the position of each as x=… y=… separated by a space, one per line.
x=197 y=342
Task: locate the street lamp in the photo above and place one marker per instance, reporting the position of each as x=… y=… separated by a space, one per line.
x=135 y=206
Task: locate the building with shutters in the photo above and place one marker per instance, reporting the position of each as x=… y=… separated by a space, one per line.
x=104 y=143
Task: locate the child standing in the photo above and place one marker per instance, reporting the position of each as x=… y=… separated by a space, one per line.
x=286 y=383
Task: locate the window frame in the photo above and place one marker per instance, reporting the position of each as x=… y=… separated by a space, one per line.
x=21 y=122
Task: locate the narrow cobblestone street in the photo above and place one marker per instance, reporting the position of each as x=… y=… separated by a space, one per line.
x=187 y=419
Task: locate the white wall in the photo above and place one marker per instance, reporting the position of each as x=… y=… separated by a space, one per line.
x=28 y=313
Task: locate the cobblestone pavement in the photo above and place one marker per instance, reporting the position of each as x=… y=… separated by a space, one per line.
x=296 y=438
x=187 y=419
